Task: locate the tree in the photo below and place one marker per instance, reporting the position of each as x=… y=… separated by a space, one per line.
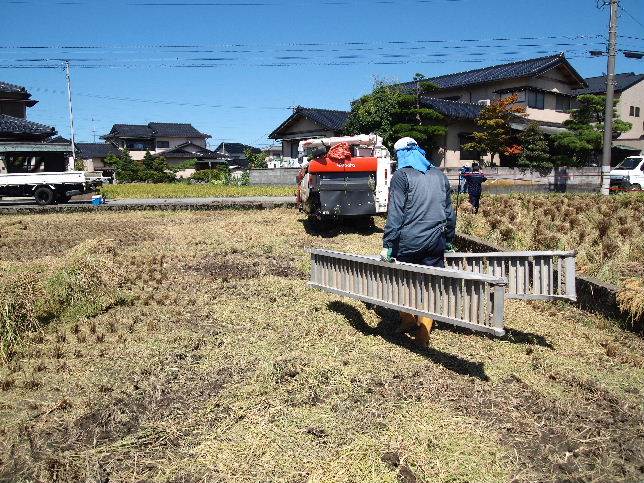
x=256 y=160
x=156 y=170
x=494 y=134
x=536 y=152
x=584 y=138
x=126 y=169
x=151 y=169
x=392 y=113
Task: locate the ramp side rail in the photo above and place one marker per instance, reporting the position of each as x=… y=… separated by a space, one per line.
x=461 y=298
x=544 y=275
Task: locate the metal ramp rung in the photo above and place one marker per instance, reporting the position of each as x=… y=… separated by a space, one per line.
x=545 y=275
x=462 y=298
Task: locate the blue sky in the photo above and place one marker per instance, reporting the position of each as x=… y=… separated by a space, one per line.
x=234 y=68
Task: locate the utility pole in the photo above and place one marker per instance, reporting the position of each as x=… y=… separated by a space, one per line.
x=610 y=91
x=71 y=112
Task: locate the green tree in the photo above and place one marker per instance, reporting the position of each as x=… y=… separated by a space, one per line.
x=583 y=140
x=256 y=160
x=536 y=152
x=156 y=169
x=494 y=134
x=126 y=169
x=392 y=113
x=149 y=170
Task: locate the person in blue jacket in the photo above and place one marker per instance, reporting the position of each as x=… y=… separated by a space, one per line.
x=475 y=180
x=421 y=222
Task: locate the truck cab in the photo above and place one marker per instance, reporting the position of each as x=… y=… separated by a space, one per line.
x=629 y=174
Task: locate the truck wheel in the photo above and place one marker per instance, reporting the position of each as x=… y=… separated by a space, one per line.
x=44 y=195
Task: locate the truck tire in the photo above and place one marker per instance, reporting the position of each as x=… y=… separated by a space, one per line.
x=44 y=195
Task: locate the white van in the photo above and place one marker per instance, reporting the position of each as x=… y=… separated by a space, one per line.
x=629 y=173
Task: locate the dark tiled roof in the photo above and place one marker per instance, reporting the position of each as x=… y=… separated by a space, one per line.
x=59 y=139
x=235 y=149
x=453 y=109
x=154 y=129
x=597 y=85
x=180 y=151
x=495 y=73
x=97 y=150
x=6 y=87
x=130 y=130
x=15 y=125
x=327 y=118
x=173 y=129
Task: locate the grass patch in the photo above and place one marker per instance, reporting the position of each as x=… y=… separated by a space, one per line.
x=186 y=190
x=225 y=366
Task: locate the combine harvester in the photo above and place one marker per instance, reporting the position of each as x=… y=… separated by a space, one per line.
x=343 y=177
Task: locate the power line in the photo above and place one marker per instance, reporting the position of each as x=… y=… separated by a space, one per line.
x=630 y=15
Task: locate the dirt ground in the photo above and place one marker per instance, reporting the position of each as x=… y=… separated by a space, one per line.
x=224 y=366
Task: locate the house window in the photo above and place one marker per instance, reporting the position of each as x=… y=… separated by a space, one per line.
x=136 y=146
x=163 y=144
x=563 y=104
x=294 y=147
x=536 y=99
x=637 y=112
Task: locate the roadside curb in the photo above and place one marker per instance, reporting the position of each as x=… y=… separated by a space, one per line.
x=592 y=295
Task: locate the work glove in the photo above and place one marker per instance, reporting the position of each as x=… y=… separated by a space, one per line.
x=450 y=248
x=385 y=255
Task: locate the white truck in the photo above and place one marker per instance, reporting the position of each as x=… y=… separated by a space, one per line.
x=47 y=188
x=629 y=174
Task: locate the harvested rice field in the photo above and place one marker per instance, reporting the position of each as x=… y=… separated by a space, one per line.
x=186 y=347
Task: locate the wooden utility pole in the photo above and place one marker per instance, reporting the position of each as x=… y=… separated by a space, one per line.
x=610 y=92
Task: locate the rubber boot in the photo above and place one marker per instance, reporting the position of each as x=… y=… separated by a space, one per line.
x=425 y=325
x=408 y=323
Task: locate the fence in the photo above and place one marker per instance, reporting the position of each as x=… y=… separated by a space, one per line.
x=462 y=298
x=530 y=275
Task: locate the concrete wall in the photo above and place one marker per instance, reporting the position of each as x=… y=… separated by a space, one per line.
x=279 y=176
x=556 y=179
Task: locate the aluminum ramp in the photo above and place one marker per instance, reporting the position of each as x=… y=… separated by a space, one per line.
x=462 y=298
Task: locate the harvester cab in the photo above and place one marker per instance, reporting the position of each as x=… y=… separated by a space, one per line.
x=343 y=176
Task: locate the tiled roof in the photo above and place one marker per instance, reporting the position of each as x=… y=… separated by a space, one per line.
x=15 y=125
x=97 y=150
x=328 y=119
x=235 y=149
x=12 y=88
x=173 y=129
x=130 y=130
x=597 y=85
x=495 y=73
x=155 y=129
x=180 y=151
x=453 y=109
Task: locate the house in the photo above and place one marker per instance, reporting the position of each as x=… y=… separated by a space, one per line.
x=235 y=154
x=545 y=86
x=155 y=137
x=205 y=158
x=629 y=92
x=94 y=154
x=306 y=123
x=26 y=146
